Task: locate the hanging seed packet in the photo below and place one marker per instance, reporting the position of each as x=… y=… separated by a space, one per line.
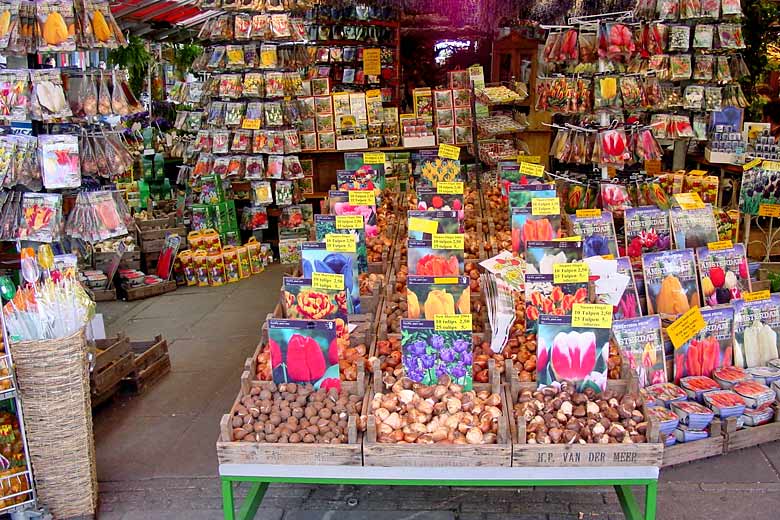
x=423 y=225
x=254 y=217
x=41 y=217
x=254 y=167
x=527 y=226
x=275 y=168
x=327 y=224
x=756 y=326
x=567 y=353
x=430 y=353
x=723 y=273
x=670 y=282
x=56 y=21
x=60 y=162
x=424 y=260
x=598 y=234
x=339 y=205
x=427 y=296
x=641 y=344
x=708 y=350
x=647 y=230
x=316 y=258
x=543 y=296
x=304 y=352
x=302 y=301
x=542 y=255
x=283 y=193
x=693 y=228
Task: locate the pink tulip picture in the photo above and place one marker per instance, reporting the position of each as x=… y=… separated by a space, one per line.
x=575 y=354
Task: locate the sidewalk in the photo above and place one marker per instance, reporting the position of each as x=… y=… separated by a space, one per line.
x=156 y=453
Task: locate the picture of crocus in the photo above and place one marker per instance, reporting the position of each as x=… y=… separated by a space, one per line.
x=304 y=352
x=670 y=282
x=542 y=296
x=526 y=226
x=575 y=354
x=316 y=259
x=723 y=274
x=693 y=227
x=325 y=224
x=423 y=260
x=339 y=205
x=640 y=343
x=541 y=256
x=647 y=231
x=598 y=234
x=425 y=298
x=447 y=223
x=429 y=354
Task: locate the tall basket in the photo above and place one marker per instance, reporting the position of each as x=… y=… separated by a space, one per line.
x=53 y=379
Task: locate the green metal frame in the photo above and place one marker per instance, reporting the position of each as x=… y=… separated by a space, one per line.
x=259 y=486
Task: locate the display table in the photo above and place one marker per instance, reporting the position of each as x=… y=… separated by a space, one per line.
x=260 y=475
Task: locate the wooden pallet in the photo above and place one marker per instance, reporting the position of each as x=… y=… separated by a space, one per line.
x=682 y=452
x=151 y=362
x=147 y=291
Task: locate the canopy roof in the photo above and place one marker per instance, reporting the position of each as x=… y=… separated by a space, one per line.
x=160 y=20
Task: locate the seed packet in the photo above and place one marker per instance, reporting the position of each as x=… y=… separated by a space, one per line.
x=433 y=169
x=560 y=343
x=261 y=193
x=693 y=228
x=703 y=67
x=703 y=36
x=447 y=223
x=340 y=206
x=731 y=7
x=268 y=56
x=326 y=224
x=708 y=350
x=647 y=230
x=55 y=20
x=428 y=296
x=730 y=36
x=49 y=101
x=542 y=255
x=723 y=273
x=254 y=218
x=428 y=199
x=628 y=306
x=756 y=326
x=59 y=159
x=641 y=344
x=543 y=296
x=689 y=9
x=301 y=301
x=429 y=354
x=598 y=234
x=315 y=258
x=520 y=195
x=710 y=9
x=280 y=26
x=668 y=9
x=615 y=198
x=424 y=260
x=41 y=217
x=670 y=282
x=680 y=65
x=304 y=352
x=217 y=58
x=526 y=226
x=283 y=193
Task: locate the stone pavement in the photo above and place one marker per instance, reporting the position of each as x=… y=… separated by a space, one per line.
x=156 y=455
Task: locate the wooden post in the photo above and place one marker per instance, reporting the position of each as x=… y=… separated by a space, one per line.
x=224 y=428
x=522 y=438
x=361 y=379
x=494 y=378
x=352 y=430
x=378 y=383
x=370 y=429
x=245 y=379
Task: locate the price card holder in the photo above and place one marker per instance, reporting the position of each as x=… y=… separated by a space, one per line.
x=755 y=296
x=589 y=213
x=686 y=327
x=532 y=170
x=576 y=272
x=546 y=206
x=422 y=225
x=251 y=124
x=349 y=222
x=720 y=245
x=689 y=200
x=327 y=281
x=448 y=151
x=340 y=243
x=374 y=158
x=752 y=164
x=535 y=159
x=372 y=62
x=591 y=315
x=448 y=242
x=452 y=322
x=362 y=198
x=449 y=188
x=769 y=210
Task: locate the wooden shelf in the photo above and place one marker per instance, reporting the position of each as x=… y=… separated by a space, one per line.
x=370 y=150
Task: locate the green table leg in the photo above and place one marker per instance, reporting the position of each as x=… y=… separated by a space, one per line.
x=650 y=500
x=628 y=502
x=227 y=499
x=252 y=501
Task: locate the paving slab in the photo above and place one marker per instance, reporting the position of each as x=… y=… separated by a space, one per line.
x=748 y=465
x=195 y=354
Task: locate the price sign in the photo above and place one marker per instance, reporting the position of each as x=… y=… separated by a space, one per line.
x=535 y=159
x=570 y=273
x=771 y=166
x=719 y=246
x=689 y=200
x=755 y=296
x=251 y=124
x=349 y=222
x=445 y=281
x=532 y=170
x=653 y=166
x=372 y=62
x=589 y=213
x=333 y=282
x=594 y=315
x=546 y=206
x=448 y=242
x=452 y=322
x=422 y=225
x=697 y=173
x=575 y=238
x=340 y=242
x=374 y=158
x=752 y=164
x=448 y=151
x=686 y=327
x=449 y=188
x=769 y=210
x=362 y=198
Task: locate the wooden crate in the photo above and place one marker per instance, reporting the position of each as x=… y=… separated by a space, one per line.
x=579 y=455
x=234 y=452
x=130 y=260
x=105 y=382
x=751 y=435
x=103 y=295
x=109 y=350
x=147 y=291
x=689 y=451
x=151 y=361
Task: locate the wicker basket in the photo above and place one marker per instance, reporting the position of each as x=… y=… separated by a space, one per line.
x=53 y=379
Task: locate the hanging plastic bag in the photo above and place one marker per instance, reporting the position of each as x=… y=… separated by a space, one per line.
x=104 y=97
x=118 y=100
x=88 y=161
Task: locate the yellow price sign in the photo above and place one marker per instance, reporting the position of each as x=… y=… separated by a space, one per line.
x=251 y=124
x=536 y=159
x=445 y=281
x=686 y=327
x=448 y=151
x=593 y=315
x=546 y=206
x=452 y=322
x=689 y=200
x=755 y=296
x=449 y=188
x=362 y=198
x=423 y=225
x=374 y=158
x=532 y=170
x=372 y=62
x=720 y=245
x=653 y=166
x=448 y=242
x=769 y=210
x=576 y=272
x=340 y=243
x=697 y=173
x=333 y=282
x=771 y=166
x=752 y=164
x=575 y=238
x=589 y=213
x=349 y=222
